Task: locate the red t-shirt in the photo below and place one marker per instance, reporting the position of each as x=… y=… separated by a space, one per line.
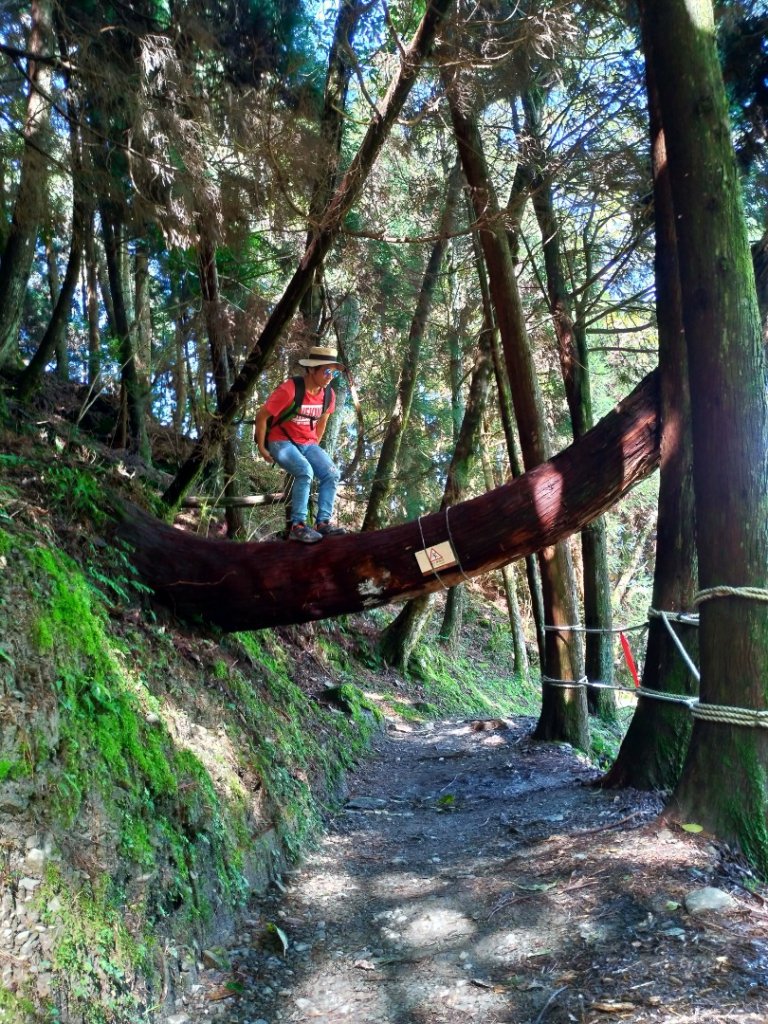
x=302 y=428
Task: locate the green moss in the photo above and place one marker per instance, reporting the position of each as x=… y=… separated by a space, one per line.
x=749 y=811
x=464 y=687
x=11 y=770
x=412 y=713
x=168 y=815
x=606 y=736
x=96 y=954
x=299 y=742
x=15 y=1009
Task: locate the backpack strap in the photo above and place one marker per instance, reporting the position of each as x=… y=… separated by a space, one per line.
x=300 y=386
x=294 y=405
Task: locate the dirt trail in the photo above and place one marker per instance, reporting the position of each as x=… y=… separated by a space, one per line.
x=476 y=877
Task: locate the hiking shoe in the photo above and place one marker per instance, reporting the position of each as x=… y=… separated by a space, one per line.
x=328 y=530
x=304 y=534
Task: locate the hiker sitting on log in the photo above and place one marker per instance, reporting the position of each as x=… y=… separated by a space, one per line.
x=288 y=430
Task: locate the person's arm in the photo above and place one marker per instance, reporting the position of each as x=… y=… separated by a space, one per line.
x=321 y=424
x=260 y=432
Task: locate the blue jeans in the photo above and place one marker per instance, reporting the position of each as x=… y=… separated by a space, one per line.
x=304 y=462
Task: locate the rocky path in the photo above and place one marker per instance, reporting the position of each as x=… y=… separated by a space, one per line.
x=476 y=877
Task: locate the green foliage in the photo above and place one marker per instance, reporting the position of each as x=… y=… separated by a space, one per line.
x=160 y=797
x=11 y=770
x=15 y=1009
x=470 y=686
x=76 y=492
x=298 y=742
x=96 y=953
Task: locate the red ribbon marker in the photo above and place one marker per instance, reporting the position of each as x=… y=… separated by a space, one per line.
x=628 y=658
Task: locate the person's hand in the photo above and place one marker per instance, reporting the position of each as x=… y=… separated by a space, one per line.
x=265 y=454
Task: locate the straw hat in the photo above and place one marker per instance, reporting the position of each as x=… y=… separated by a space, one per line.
x=321 y=356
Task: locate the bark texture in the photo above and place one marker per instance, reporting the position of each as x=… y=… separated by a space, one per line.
x=574 y=365
x=563 y=712
x=727 y=372
x=654 y=747
x=249 y=586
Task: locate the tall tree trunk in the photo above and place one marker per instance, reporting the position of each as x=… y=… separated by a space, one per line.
x=727 y=371
x=92 y=303
x=507 y=420
x=564 y=707
x=135 y=397
x=181 y=333
x=398 y=641
x=54 y=284
x=143 y=316
x=390 y=448
x=328 y=153
x=19 y=250
x=760 y=263
x=455 y=599
x=454 y=491
x=55 y=335
x=520 y=663
x=338 y=206
x=222 y=370
x=574 y=365
x=654 y=747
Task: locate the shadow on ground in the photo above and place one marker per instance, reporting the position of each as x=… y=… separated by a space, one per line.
x=476 y=877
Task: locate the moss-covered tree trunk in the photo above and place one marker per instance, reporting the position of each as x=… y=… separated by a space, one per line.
x=729 y=405
x=654 y=747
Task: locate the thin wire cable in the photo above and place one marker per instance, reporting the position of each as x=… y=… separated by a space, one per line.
x=454 y=548
x=435 y=572
x=566 y=683
x=594 y=629
x=679 y=645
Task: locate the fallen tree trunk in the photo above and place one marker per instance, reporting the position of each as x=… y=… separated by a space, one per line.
x=249 y=586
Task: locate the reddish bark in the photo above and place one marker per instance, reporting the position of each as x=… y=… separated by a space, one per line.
x=250 y=586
